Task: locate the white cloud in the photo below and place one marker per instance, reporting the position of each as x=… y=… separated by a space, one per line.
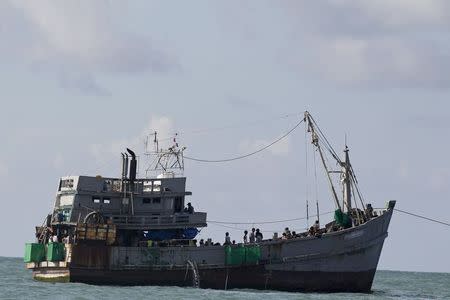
x=281 y=148
x=379 y=43
x=403 y=12
x=385 y=61
x=163 y=125
x=382 y=43
x=80 y=37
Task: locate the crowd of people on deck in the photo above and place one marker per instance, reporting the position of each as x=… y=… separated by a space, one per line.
x=256 y=235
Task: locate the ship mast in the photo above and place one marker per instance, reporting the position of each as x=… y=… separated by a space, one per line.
x=346 y=172
x=346 y=181
x=315 y=142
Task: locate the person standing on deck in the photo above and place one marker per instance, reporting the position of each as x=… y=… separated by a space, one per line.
x=227 y=239
x=252 y=236
x=245 y=237
x=258 y=235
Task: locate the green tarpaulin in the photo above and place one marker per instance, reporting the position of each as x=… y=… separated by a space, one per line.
x=34 y=252
x=55 y=252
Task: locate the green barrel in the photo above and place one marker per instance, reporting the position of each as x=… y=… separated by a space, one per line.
x=235 y=255
x=55 y=252
x=227 y=255
x=34 y=252
x=238 y=254
x=252 y=254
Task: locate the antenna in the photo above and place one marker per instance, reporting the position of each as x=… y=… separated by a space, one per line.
x=167 y=161
x=155 y=141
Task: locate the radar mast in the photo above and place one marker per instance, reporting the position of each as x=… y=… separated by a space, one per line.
x=164 y=162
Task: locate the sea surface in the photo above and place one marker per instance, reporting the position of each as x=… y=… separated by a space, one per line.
x=16 y=283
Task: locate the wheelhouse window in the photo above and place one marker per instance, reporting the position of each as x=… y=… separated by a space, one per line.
x=156 y=200
x=96 y=199
x=157 y=186
x=146 y=200
x=106 y=200
x=147 y=186
x=66 y=200
x=66 y=184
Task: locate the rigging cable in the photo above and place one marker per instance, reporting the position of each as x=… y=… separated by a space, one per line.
x=248 y=154
x=264 y=222
x=422 y=217
x=306 y=178
x=327 y=144
x=355 y=183
x=316 y=186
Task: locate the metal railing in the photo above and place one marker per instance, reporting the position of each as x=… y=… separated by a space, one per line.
x=197 y=219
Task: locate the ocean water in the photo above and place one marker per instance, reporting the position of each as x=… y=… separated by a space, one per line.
x=16 y=283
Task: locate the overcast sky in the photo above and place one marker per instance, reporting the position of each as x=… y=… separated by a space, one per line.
x=82 y=80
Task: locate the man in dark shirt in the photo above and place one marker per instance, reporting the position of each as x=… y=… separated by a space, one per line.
x=189 y=208
x=258 y=235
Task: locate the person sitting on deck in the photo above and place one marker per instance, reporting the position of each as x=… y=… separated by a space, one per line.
x=227 y=239
x=202 y=242
x=369 y=211
x=316 y=226
x=245 y=237
x=252 y=236
x=287 y=232
x=258 y=235
x=189 y=209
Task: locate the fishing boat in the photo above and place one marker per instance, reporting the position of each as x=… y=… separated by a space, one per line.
x=139 y=231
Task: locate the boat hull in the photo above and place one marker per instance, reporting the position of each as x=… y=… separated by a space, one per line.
x=343 y=261
x=255 y=277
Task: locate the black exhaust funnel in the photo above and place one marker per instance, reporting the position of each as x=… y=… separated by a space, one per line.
x=133 y=165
